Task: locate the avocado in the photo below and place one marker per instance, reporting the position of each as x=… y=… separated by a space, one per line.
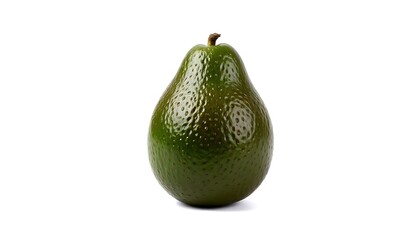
x=210 y=139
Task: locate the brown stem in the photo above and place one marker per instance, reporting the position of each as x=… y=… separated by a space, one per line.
x=212 y=39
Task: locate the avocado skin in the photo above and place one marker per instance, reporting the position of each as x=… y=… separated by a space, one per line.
x=210 y=138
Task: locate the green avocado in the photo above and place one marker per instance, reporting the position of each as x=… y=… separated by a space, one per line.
x=210 y=138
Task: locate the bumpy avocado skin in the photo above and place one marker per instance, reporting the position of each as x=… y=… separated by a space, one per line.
x=210 y=138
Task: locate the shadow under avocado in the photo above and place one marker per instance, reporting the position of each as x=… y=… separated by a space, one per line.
x=240 y=206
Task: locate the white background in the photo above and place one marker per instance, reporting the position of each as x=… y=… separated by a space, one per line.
x=79 y=81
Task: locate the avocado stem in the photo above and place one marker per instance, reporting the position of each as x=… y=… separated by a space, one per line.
x=212 y=39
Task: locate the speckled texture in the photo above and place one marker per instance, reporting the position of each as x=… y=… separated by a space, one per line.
x=210 y=138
